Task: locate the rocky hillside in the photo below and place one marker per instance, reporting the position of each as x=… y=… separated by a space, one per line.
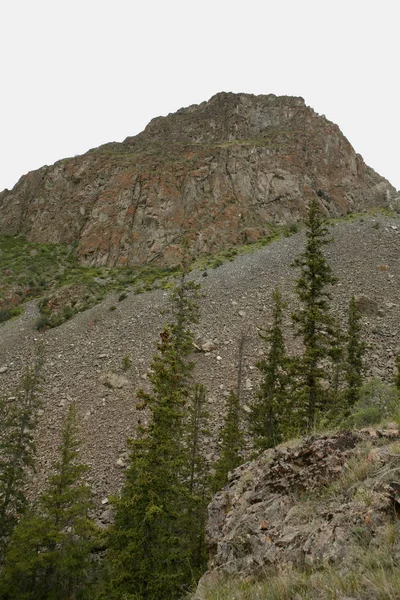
x=85 y=357
x=320 y=515
x=219 y=173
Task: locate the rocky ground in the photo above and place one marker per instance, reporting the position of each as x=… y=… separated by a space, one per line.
x=84 y=356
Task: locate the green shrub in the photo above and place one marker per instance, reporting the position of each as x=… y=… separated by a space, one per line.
x=126 y=363
x=68 y=312
x=378 y=401
x=122 y=296
x=8 y=313
x=43 y=322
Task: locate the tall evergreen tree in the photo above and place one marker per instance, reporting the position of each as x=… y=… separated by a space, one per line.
x=198 y=481
x=270 y=420
x=18 y=418
x=232 y=443
x=313 y=321
x=231 y=433
x=149 y=545
x=355 y=351
x=49 y=553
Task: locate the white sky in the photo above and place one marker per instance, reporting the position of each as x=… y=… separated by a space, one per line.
x=81 y=73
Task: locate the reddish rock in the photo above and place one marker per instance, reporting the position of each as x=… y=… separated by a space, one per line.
x=218 y=173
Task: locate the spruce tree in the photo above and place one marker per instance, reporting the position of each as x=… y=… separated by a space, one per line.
x=231 y=433
x=19 y=419
x=198 y=481
x=270 y=420
x=232 y=443
x=313 y=322
x=355 y=350
x=49 y=553
x=149 y=545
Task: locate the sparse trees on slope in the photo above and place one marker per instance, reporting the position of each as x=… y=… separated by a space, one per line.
x=270 y=419
x=49 y=552
x=313 y=321
x=149 y=545
x=18 y=419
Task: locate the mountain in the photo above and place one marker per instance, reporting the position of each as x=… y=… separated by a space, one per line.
x=219 y=173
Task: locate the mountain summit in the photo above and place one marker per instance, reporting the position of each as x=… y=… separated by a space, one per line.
x=219 y=173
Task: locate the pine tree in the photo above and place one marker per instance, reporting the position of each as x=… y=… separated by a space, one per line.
x=270 y=416
x=49 y=553
x=313 y=322
x=18 y=418
x=355 y=351
x=232 y=443
x=149 y=545
x=198 y=481
x=231 y=432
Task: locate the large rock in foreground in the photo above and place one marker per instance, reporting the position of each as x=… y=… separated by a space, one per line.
x=306 y=506
x=219 y=173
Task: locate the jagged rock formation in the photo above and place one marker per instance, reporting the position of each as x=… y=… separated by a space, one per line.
x=306 y=505
x=218 y=173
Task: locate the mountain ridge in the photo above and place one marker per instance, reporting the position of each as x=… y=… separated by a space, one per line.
x=216 y=174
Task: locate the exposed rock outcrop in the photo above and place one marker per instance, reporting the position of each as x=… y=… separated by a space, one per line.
x=219 y=173
x=306 y=505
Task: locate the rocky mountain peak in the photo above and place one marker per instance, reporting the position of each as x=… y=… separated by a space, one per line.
x=218 y=174
x=226 y=117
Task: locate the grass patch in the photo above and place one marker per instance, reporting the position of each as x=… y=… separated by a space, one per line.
x=52 y=272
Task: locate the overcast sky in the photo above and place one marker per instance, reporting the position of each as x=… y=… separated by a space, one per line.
x=77 y=74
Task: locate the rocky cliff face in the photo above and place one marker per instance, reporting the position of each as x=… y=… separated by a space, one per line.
x=219 y=173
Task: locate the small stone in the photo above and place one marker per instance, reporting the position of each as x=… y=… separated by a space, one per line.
x=207 y=346
x=219 y=357
x=114 y=381
x=3 y=369
x=242 y=313
x=249 y=384
x=106 y=516
x=104 y=501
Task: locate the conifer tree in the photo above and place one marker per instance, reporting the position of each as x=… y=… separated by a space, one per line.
x=355 y=351
x=313 y=321
x=198 y=481
x=270 y=420
x=49 y=553
x=149 y=545
x=231 y=432
x=18 y=418
x=232 y=443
